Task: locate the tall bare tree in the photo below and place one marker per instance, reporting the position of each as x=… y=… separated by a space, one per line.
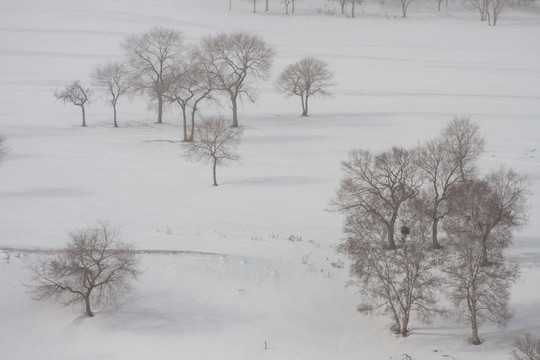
x=151 y=57
x=113 y=79
x=405 y=7
x=75 y=94
x=395 y=282
x=464 y=143
x=95 y=268
x=189 y=85
x=287 y=4
x=440 y=172
x=375 y=187
x=480 y=292
x=214 y=143
x=306 y=78
x=234 y=60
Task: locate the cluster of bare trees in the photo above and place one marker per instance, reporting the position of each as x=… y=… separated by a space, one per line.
x=160 y=66
x=489 y=9
x=395 y=203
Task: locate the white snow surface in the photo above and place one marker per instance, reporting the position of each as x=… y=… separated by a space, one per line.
x=242 y=281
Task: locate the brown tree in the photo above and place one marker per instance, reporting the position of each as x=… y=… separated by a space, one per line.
x=151 y=57
x=113 y=79
x=396 y=282
x=480 y=292
x=375 y=187
x=75 y=94
x=189 y=85
x=464 y=143
x=214 y=143
x=94 y=268
x=305 y=78
x=233 y=60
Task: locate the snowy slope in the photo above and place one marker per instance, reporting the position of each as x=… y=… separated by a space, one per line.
x=397 y=82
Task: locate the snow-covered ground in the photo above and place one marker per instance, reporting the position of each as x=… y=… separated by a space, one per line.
x=398 y=81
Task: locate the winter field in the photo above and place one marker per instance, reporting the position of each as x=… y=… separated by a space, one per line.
x=252 y=260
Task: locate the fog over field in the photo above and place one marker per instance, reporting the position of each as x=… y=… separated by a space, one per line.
x=249 y=269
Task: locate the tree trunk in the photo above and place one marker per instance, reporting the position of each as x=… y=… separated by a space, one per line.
x=404 y=8
x=184 y=123
x=266 y=6
x=305 y=105
x=293 y=6
x=230 y=5
x=114 y=112
x=435 y=232
x=404 y=325
x=192 y=130
x=474 y=326
x=352 y=11
x=254 y=7
x=484 y=240
x=234 y=111
x=160 y=110
x=88 y=310
x=391 y=226
x=83 y=116
x=214 y=166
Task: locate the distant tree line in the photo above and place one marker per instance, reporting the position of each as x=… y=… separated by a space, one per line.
x=489 y=9
x=420 y=222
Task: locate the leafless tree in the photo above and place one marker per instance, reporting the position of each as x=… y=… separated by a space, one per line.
x=396 y=282
x=151 y=57
x=342 y=5
x=375 y=187
x=287 y=4
x=233 y=59
x=353 y=6
x=464 y=143
x=481 y=6
x=494 y=9
x=3 y=148
x=214 y=143
x=77 y=95
x=189 y=85
x=95 y=268
x=113 y=79
x=305 y=78
x=440 y=172
x=404 y=7
x=526 y=347
x=480 y=292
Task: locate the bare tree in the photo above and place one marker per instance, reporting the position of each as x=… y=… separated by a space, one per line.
x=305 y=78
x=188 y=85
x=287 y=4
x=440 y=173
x=233 y=59
x=526 y=347
x=494 y=9
x=353 y=6
x=481 y=6
x=464 y=143
x=404 y=7
x=480 y=292
x=77 y=95
x=214 y=143
x=374 y=189
x=342 y=5
x=113 y=79
x=395 y=282
x=151 y=57
x=3 y=148
x=95 y=268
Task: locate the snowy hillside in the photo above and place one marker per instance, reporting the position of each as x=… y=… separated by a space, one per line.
x=259 y=261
